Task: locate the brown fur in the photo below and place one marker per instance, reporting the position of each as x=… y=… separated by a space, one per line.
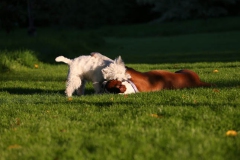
x=158 y=79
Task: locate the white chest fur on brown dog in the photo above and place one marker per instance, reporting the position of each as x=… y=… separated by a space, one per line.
x=84 y=68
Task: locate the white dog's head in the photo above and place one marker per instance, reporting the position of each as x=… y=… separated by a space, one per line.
x=116 y=70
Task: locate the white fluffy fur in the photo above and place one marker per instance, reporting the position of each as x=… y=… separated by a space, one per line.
x=116 y=70
x=84 y=68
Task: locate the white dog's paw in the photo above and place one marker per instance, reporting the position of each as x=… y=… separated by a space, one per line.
x=68 y=94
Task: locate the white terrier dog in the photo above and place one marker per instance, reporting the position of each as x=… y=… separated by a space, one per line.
x=84 y=68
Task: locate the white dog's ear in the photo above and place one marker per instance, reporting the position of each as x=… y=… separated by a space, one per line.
x=119 y=60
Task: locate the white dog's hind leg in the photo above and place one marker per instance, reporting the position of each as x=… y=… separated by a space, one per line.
x=80 y=90
x=74 y=82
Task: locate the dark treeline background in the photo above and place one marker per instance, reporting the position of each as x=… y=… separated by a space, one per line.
x=95 y=13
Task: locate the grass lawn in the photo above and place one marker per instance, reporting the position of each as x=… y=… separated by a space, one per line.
x=37 y=121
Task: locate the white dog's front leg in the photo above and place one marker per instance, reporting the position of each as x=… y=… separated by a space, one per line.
x=81 y=89
x=97 y=87
x=73 y=83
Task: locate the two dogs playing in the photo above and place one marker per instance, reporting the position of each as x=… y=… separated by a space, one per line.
x=112 y=76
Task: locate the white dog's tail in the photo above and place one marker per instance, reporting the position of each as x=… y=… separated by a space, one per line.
x=63 y=59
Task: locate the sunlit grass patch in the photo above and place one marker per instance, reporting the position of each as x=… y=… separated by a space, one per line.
x=16 y=60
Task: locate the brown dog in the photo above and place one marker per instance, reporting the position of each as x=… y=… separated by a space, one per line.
x=157 y=80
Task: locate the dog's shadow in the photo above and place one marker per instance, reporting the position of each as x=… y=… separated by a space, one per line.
x=28 y=91
x=100 y=104
x=90 y=91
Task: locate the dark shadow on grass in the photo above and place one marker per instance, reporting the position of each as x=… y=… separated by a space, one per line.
x=98 y=104
x=218 y=108
x=28 y=91
x=226 y=84
x=26 y=77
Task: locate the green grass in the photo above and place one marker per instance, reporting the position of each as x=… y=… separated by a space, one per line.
x=17 y=60
x=37 y=121
x=212 y=47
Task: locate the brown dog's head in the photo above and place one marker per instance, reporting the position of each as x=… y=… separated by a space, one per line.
x=115 y=86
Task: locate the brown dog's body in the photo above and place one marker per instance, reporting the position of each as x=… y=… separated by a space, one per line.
x=158 y=80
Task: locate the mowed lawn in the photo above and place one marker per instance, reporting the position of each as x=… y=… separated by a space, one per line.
x=37 y=121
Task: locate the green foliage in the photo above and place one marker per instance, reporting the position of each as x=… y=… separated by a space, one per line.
x=72 y=13
x=12 y=14
x=189 y=9
x=93 y=14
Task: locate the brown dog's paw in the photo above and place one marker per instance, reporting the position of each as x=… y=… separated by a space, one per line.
x=115 y=86
x=122 y=88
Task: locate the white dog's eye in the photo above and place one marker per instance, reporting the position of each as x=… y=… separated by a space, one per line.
x=104 y=71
